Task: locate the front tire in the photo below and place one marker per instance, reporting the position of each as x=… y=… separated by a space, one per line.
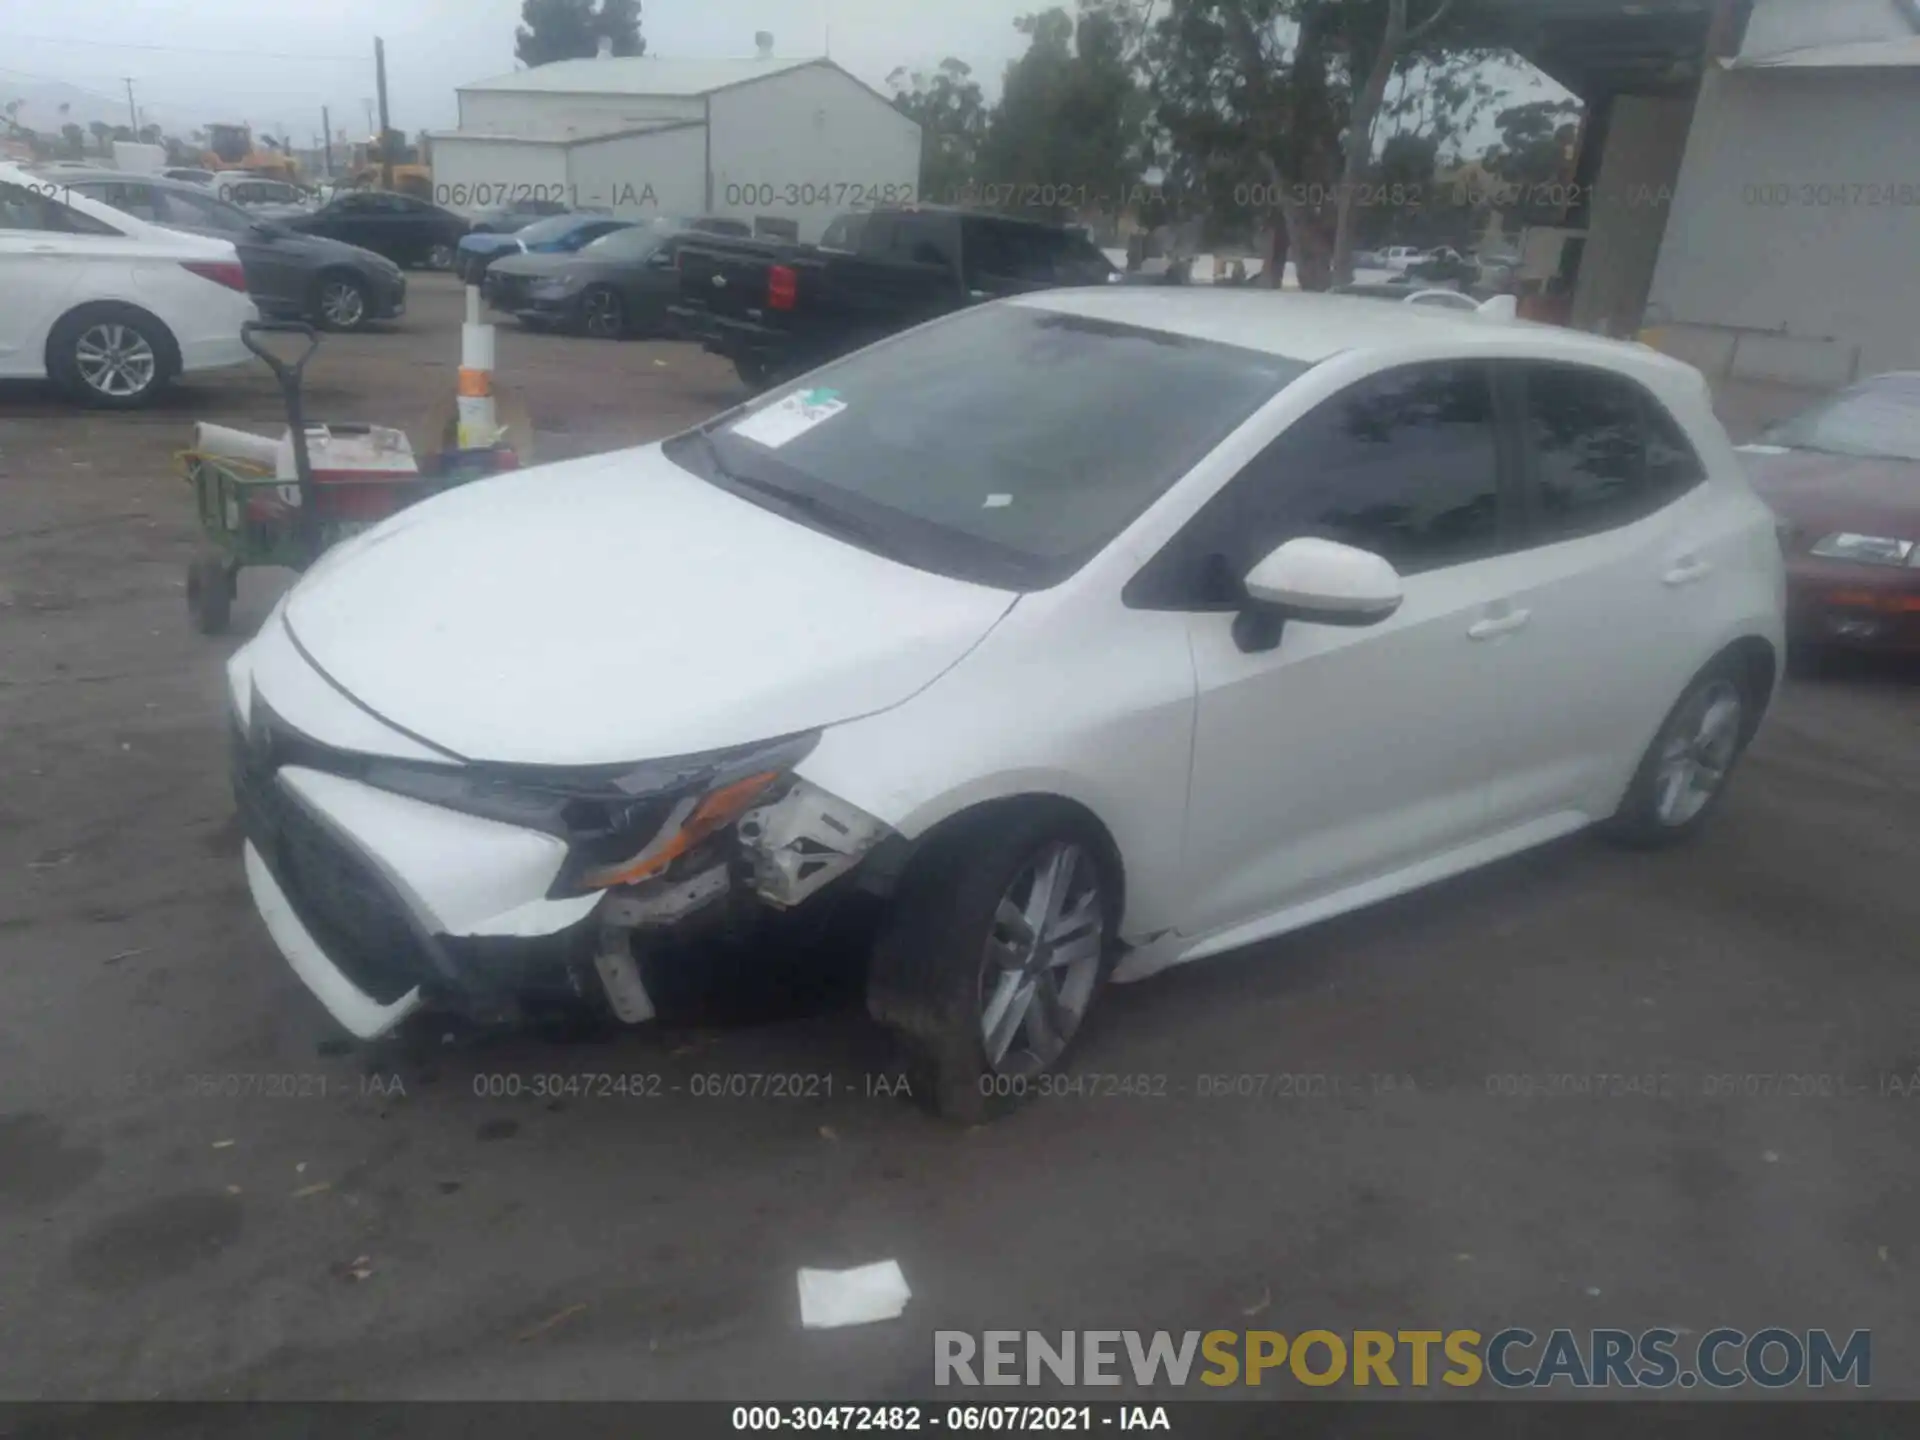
x=602 y=315
x=999 y=939
x=1683 y=774
x=111 y=356
x=340 y=303
x=440 y=257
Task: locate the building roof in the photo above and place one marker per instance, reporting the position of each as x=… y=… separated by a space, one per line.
x=1312 y=327
x=641 y=75
x=1859 y=55
x=583 y=135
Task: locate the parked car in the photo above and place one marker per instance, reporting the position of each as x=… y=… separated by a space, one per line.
x=289 y=275
x=1843 y=476
x=1409 y=292
x=506 y=219
x=1111 y=630
x=620 y=284
x=110 y=307
x=406 y=230
x=266 y=198
x=557 y=235
x=1399 y=257
x=776 y=309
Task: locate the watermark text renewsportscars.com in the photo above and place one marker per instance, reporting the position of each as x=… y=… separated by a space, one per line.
x=1770 y=1358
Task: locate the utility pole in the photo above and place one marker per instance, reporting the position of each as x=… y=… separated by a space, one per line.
x=386 y=134
x=133 y=114
x=326 y=140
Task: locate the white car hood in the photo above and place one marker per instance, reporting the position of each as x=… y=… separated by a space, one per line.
x=617 y=609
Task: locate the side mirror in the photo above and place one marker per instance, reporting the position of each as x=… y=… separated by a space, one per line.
x=1318 y=582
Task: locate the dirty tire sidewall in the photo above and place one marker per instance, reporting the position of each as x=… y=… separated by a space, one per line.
x=1637 y=823
x=925 y=975
x=64 y=359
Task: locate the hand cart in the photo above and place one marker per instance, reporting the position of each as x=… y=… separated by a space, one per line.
x=253 y=516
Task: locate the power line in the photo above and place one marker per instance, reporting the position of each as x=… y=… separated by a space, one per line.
x=190 y=49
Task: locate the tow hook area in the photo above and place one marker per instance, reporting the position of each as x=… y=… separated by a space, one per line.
x=802 y=842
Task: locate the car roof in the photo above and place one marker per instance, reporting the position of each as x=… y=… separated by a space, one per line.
x=164 y=182
x=1311 y=326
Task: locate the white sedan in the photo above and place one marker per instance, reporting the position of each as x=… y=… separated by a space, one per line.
x=110 y=307
x=1090 y=632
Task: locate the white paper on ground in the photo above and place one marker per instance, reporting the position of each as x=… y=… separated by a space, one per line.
x=860 y=1296
x=789 y=418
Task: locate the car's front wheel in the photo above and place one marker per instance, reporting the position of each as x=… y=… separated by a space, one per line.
x=601 y=313
x=1683 y=774
x=440 y=257
x=341 y=302
x=112 y=356
x=999 y=939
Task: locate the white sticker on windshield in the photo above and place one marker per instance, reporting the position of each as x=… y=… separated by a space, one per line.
x=790 y=418
x=997 y=502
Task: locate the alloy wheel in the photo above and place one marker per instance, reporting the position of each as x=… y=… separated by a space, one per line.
x=1042 y=959
x=342 y=305
x=602 y=311
x=115 y=360
x=440 y=257
x=1699 y=750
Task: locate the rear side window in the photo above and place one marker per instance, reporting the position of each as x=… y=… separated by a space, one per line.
x=1601 y=452
x=922 y=239
x=34 y=208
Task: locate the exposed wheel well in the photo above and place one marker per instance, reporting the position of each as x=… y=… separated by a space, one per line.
x=962 y=824
x=105 y=309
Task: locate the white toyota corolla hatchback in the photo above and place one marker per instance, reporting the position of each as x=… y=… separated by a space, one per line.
x=1093 y=632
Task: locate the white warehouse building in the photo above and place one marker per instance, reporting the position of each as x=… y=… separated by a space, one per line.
x=799 y=141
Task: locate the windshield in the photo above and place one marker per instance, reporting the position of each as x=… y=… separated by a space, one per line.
x=1007 y=445
x=1877 y=420
x=557 y=228
x=634 y=243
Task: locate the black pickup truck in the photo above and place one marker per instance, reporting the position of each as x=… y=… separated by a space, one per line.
x=778 y=309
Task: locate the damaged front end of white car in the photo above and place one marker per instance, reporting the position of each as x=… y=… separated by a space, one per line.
x=500 y=892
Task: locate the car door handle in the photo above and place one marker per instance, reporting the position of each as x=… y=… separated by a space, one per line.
x=1687 y=570
x=1500 y=625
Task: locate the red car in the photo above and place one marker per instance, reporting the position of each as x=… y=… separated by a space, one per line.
x=1843 y=478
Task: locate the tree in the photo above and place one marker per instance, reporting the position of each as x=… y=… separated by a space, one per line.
x=151 y=135
x=572 y=29
x=952 y=115
x=102 y=136
x=1069 y=131
x=1284 y=97
x=1535 y=150
x=74 y=139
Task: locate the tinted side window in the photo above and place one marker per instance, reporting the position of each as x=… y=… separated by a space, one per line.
x=24 y=208
x=1405 y=464
x=180 y=208
x=1673 y=467
x=923 y=239
x=1603 y=452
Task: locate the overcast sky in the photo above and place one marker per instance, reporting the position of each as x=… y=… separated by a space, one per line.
x=274 y=66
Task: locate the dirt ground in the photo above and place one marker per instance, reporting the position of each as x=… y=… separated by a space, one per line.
x=204 y=1193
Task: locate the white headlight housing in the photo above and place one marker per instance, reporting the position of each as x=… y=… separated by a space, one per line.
x=1865 y=549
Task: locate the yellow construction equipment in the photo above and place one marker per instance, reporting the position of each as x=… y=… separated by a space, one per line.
x=231 y=147
x=410 y=177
